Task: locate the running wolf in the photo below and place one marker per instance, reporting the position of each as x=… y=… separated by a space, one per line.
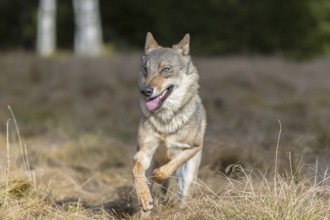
x=173 y=120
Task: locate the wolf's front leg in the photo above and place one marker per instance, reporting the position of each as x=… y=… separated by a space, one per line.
x=141 y=187
x=168 y=169
x=142 y=162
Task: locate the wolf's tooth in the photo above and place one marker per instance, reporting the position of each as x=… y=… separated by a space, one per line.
x=163 y=93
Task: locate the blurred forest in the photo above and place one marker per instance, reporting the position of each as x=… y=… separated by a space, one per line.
x=290 y=27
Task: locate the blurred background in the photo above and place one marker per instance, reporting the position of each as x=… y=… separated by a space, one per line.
x=218 y=27
x=68 y=69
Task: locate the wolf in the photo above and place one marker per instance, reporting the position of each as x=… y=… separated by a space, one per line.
x=173 y=120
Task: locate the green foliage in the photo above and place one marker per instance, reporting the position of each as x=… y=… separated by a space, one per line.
x=17 y=23
x=65 y=24
x=293 y=27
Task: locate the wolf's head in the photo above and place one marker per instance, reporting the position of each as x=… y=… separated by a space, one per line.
x=167 y=76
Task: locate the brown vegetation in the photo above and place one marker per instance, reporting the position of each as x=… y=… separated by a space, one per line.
x=78 y=119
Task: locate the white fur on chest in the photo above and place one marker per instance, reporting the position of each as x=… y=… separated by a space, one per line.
x=170 y=121
x=175 y=147
x=169 y=149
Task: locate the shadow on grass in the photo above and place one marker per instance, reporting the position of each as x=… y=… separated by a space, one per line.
x=125 y=205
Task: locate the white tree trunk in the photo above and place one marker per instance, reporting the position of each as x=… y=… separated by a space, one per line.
x=88 y=32
x=46 y=33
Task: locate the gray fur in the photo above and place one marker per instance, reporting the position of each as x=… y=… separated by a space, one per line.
x=170 y=138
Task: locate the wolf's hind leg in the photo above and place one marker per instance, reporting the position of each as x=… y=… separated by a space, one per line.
x=187 y=173
x=164 y=186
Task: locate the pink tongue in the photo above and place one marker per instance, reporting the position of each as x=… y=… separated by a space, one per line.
x=153 y=104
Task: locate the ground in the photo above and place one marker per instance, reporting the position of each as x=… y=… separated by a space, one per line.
x=70 y=155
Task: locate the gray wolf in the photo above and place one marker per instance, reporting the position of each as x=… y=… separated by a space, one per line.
x=173 y=120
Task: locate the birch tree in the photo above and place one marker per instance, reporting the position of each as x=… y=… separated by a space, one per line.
x=46 y=33
x=88 y=33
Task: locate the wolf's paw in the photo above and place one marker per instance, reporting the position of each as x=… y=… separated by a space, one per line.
x=159 y=175
x=146 y=201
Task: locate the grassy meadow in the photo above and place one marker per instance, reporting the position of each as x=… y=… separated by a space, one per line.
x=68 y=139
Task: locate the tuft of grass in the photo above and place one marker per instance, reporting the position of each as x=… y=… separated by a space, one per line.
x=23 y=196
x=254 y=197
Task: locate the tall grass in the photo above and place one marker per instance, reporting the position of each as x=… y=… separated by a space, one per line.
x=22 y=198
x=254 y=195
x=253 y=198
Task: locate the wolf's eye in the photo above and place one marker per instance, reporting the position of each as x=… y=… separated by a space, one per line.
x=145 y=70
x=166 y=69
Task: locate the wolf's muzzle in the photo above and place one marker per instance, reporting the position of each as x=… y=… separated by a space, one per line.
x=147 y=91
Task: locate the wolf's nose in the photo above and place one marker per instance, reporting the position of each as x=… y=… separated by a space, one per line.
x=147 y=91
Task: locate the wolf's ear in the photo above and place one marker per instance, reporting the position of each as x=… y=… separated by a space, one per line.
x=150 y=44
x=183 y=45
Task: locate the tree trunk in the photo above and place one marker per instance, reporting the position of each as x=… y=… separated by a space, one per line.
x=88 y=33
x=46 y=34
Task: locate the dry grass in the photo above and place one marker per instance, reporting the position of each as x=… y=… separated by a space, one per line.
x=60 y=194
x=78 y=120
x=252 y=197
x=24 y=194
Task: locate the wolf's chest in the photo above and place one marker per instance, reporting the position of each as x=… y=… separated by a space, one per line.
x=168 y=149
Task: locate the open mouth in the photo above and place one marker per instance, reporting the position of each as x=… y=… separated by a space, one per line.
x=156 y=102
